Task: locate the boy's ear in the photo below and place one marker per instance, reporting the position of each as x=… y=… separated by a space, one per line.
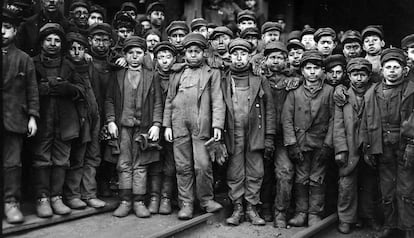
x=382 y=43
x=406 y=70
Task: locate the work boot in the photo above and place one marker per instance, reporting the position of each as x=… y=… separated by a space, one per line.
x=344 y=227
x=279 y=219
x=212 y=206
x=186 y=211
x=313 y=219
x=58 y=206
x=154 y=204
x=123 y=209
x=76 y=203
x=302 y=205
x=13 y=213
x=95 y=203
x=165 y=205
x=253 y=216
x=141 y=210
x=299 y=219
x=384 y=233
x=266 y=212
x=316 y=204
x=43 y=208
x=238 y=214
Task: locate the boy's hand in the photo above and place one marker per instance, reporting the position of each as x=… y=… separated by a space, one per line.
x=31 y=127
x=340 y=95
x=217 y=134
x=371 y=160
x=88 y=57
x=341 y=159
x=121 y=62
x=154 y=133
x=168 y=134
x=113 y=129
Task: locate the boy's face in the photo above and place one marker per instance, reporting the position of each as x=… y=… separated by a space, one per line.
x=95 y=17
x=80 y=15
x=134 y=56
x=202 y=30
x=253 y=40
x=335 y=75
x=240 y=58
x=326 y=45
x=246 y=24
x=250 y=3
x=194 y=55
x=77 y=52
x=392 y=71
x=156 y=18
x=373 y=45
x=294 y=56
x=352 y=50
x=8 y=32
x=165 y=60
x=176 y=38
x=358 y=77
x=52 y=44
x=309 y=42
x=312 y=72
x=270 y=36
x=100 y=43
x=124 y=32
x=50 y=5
x=152 y=40
x=146 y=25
x=276 y=61
x=220 y=43
x=410 y=56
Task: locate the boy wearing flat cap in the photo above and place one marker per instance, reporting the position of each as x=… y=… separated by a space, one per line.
x=60 y=124
x=156 y=15
x=352 y=44
x=199 y=25
x=407 y=44
x=252 y=35
x=388 y=141
x=161 y=174
x=335 y=70
x=353 y=179
x=194 y=112
x=372 y=44
x=218 y=55
x=246 y=19
x=295 y=52
x=176 y=32
x=79 y=14
x=307 y=120
x=325 y=41
x=307 y=38
x=20 y=91
x=133 y=109
x=96 y=15
x=250 y=125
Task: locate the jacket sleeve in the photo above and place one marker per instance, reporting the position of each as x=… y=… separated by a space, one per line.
x=110 y=101
x=32 y=89
x=157 y=113
x=167 y=120
x=288 y=116
x=328 y=138
x=339 y=132
x=218 y=106
x=270 y=109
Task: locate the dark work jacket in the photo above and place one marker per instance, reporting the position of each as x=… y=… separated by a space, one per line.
x=66 y=110
x=261 y=113
x=20 y=91
x=151 y=105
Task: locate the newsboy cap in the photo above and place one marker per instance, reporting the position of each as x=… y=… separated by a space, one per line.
x=271 y=26
x=246 y=15
x=51 y=28
x=155 y=6
x=359 y=63
x=295 y=45
x=307 y=31
x=134 y=41
x=240 y=44
x=351 y=36
x=334 y=60
x=12 y=16
x=407 y=42
x=275 y=46
x=373 y=30
x=78 y=37
x=325 y=31
x=251 y=31
x=195 y=39
x=165 y=45
x=177 y=25
x=393 y=54
x=79 y=3
x=100 y=28
x=197 y=23
x=221 y=30
x=311 y=55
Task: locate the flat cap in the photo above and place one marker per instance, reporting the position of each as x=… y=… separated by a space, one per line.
x=127 y=6
x=373 y=30
x=295 y=45
x=123 y=19
x=275 y=46
x=240 y=44
x=51 y=28
x=152 y=32
x=134 y=41
x=78 y=37
x=11 y=15
x=325 y=31
x=165 y=45
x=246 y=15
x=221 y=30
x=198 y=22
x=311 y=55
x=294 y=35
x=155 y=6
x=307 y=31
x=100 y=28
x=79 y=3
x=335 y=60
x=271 y=26
x=251 y=31
x=393 y=54
x=195 y=39
x=99 y=9
x=211 y=25
x=177 y=25
x=351 y=36
x=359 y=63
x=407 y=42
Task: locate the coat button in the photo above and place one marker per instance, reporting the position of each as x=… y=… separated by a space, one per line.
x=260 y=116
x=260 y=126
x=257 y=105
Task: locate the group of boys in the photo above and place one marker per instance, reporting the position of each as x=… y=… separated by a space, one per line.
x=161 y=108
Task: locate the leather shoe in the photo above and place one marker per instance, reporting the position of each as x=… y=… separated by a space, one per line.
x=165 y=206
x=279 y=220
x=313 y=219
x=13 y=213
x=141 y=210
x=344 y=228
x=123 y=209
x=95 y=203
x=186 y=211
x=43 y=208
x=154 y=204
x=76 y=203
x=212 y=206
x=299 y=219
x=58 y=206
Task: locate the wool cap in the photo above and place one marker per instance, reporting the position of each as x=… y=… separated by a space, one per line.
x=127 y=6
x=155 y=6
x=123 y=19
x=393 y=54
x=99 y=9
x=211 y=25
x=335 y=60
x=134 y=41
x=325 y=31
x=246 y=15
x=100 y=28
x=271 y=26
x=373 y=30
x=295 y=45
x=177 y=25
x=221 y=30
x=12 y=16
x=407 y=42
x=351 y=36
x=359 y=63
x=294 y=35
x=307 y=31
x=195 y=39
x=197 y=23
x=165 y=45
x=275 y=46
x=311 y=55
x=152 y=32
x=80 y=3
x=51 y=28
x=251 y=31
x=78 y=37
x=240 y=44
